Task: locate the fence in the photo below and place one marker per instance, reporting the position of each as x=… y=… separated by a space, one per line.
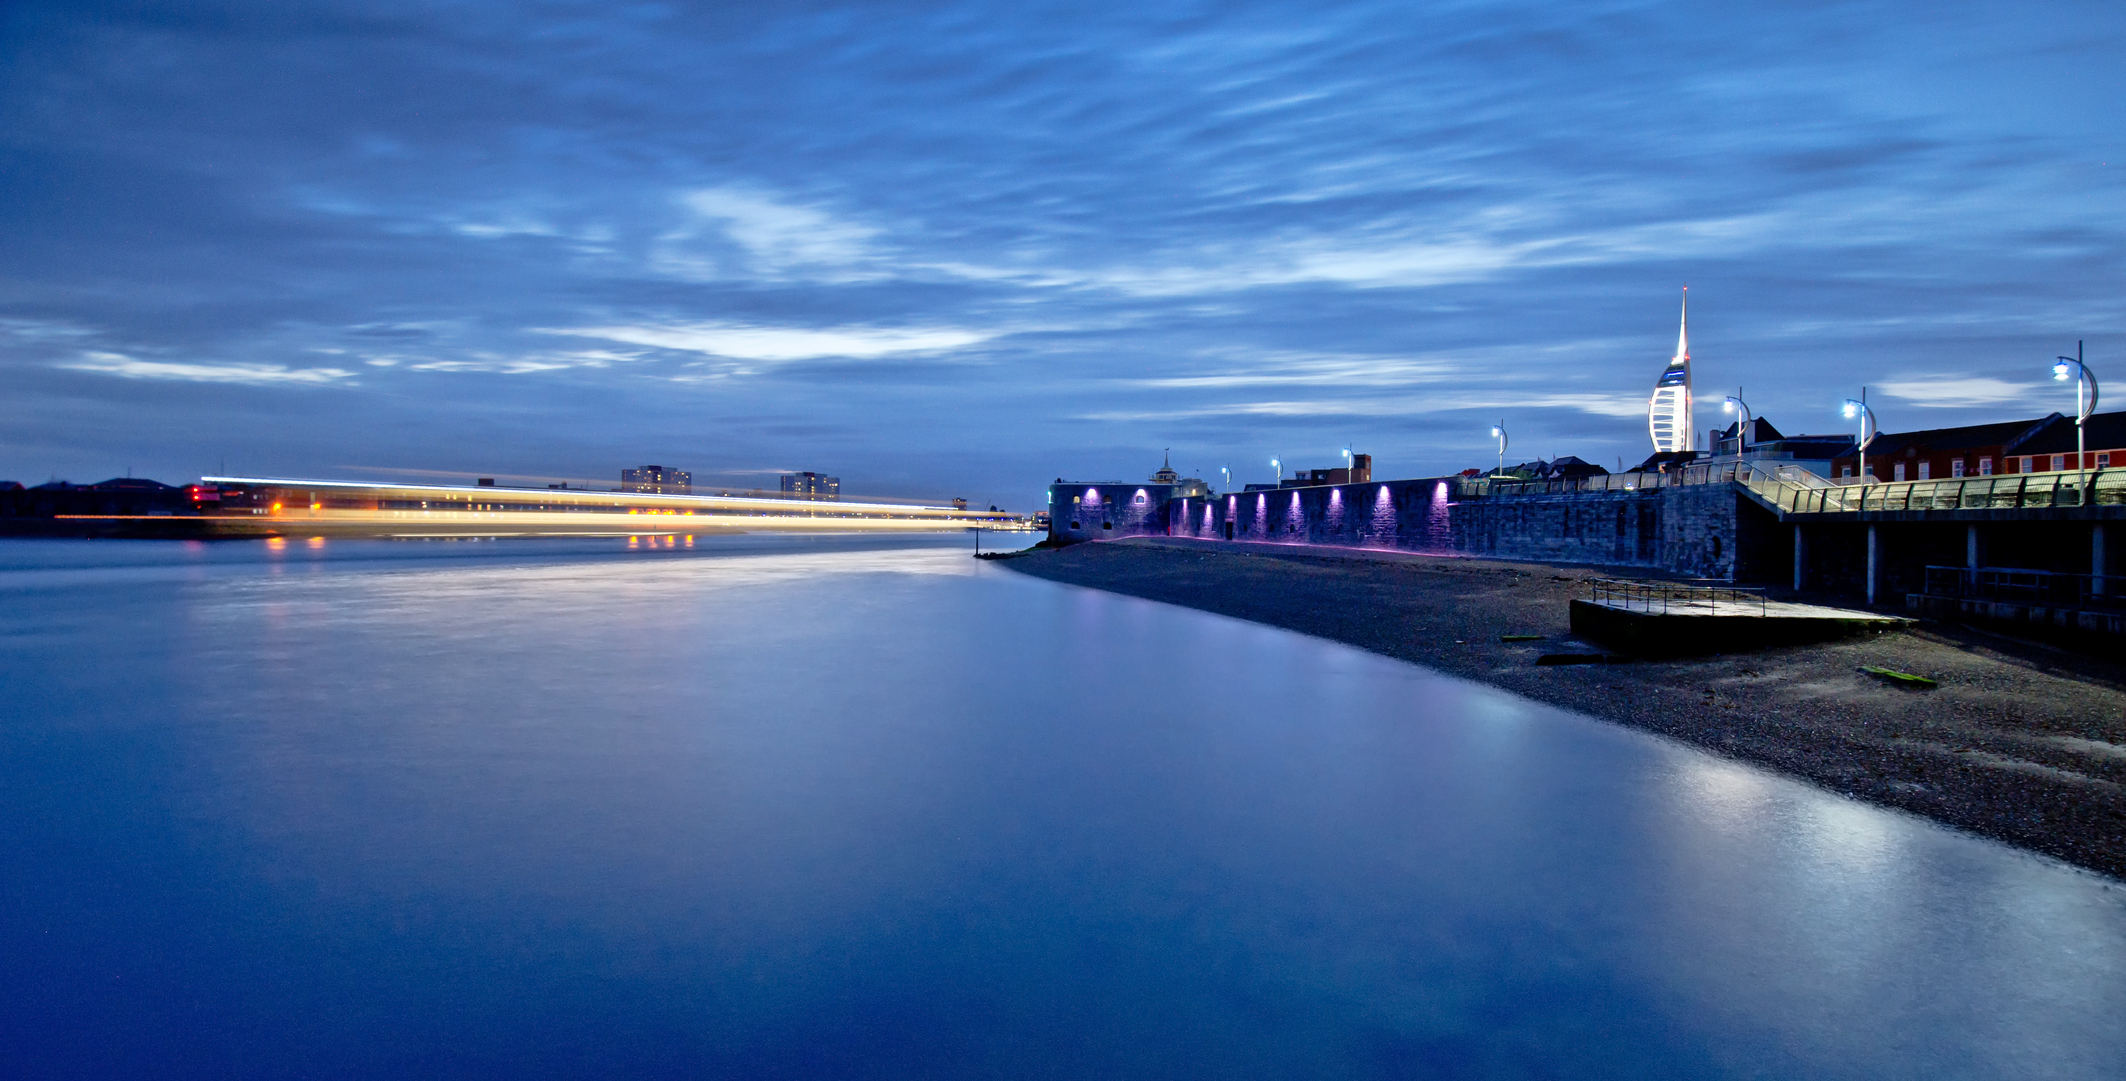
x=2047 y=589
x=1683 y=598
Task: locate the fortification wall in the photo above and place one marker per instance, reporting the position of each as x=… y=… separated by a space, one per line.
x=1694 y=529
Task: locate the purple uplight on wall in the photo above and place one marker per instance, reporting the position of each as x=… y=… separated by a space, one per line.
x=1439 y=535
x=1383 y=518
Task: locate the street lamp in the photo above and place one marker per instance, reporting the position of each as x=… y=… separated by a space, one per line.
x=1499 y=433
x=2084 y=404
x=1277 y=471
x=1868 y=428
x=1228 y=471
x=1742 y=434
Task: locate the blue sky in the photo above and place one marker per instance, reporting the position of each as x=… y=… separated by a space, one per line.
x=960 y=249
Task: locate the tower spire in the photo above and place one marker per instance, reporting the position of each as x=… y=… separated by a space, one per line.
x=1669 y=416
x=1683 y=332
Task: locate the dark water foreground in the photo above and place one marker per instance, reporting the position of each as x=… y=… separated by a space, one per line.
x=816 y=808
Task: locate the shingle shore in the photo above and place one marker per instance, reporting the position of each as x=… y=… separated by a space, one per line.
x=2019 y=742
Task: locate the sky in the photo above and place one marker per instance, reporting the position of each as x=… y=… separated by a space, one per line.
x=961 y=249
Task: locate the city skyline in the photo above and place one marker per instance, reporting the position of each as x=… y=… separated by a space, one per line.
x=958 y=249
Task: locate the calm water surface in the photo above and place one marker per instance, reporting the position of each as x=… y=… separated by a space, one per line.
x=816 y=808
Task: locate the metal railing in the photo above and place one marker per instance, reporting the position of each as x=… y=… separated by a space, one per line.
x=1632 y=482
x=2049 y=589
x=2021 y=491
x=1797 y=491
x=1680 y=598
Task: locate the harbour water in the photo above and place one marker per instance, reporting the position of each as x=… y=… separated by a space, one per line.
x=849 y=807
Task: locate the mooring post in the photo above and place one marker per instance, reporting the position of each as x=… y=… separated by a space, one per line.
x=1801 y=558
x=1874 y=561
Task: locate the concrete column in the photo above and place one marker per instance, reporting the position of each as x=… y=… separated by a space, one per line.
x=1874 y=550
x=1801 y=559
x=2097 y=563
x=1972 y=559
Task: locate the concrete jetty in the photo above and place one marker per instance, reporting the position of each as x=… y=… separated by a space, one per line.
x=1677 y=619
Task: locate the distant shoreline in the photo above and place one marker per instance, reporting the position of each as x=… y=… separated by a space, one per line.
x=2019 y=742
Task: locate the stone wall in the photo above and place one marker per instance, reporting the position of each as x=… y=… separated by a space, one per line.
x=1104 y=510
x=1696 y=530
x=1617 y=528
x=1406 y=515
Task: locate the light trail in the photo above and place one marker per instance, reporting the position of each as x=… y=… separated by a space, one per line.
x=266 y=506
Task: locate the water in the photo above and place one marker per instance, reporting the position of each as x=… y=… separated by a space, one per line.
x=825 y=807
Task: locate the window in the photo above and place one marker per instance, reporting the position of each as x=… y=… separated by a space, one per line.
x=1897 y=472
x=1107 y=525
x=1140 y=500
x=1926 y=470
x=2029 y=464
x=1845 y=471
x=2103 y=459
x=1074 y=525
x=1985 y=467
x=2059 y=461
x=1956 y=468
x=1077 y=499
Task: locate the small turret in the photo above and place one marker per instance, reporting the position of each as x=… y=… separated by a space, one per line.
x=1166 y=474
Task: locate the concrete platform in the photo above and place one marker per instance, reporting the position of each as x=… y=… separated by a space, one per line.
x=1684 y=628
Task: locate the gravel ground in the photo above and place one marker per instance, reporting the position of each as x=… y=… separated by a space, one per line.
x=2021 y=742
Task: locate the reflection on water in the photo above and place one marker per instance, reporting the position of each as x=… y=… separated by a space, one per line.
x=819 y=807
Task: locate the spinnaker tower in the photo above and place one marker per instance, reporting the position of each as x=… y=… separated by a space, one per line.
x=1668 y=415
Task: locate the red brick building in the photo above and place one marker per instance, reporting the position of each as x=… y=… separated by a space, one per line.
x=1984 y=450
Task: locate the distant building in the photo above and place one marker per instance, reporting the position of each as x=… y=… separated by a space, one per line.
x=811 y=486
x=1182 y=486
x=1766 y=445
x=1559 y=468
x=657 y=480
x=1098 y=510
x=1359 y=472
x=959 y=504
x=2103 y=445
x=1974 y=450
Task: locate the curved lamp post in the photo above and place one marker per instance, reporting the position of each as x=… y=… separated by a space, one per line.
x=1869 y=429
x=2084 y=404
x=1277 y=471
x=1742 y=434
x=1499 y=433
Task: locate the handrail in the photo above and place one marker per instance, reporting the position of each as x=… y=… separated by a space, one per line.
x=1663 y=598
x=2037 y=587
x=1797 y=491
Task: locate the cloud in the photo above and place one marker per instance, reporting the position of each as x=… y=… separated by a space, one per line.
x=252 y=374
x=741 y=341
x=1606 y=405
x=519 y=364
x=1957 y=391
x=1302 y=369
x=774 y=238
x=40 y=330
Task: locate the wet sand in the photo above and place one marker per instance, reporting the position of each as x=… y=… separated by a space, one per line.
x=2021 y=742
